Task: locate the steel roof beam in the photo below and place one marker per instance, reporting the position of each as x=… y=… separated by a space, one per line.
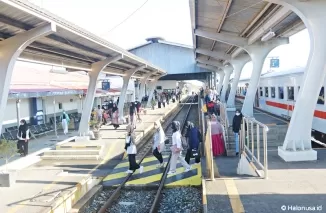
x=224 y=38
x=210 y=62
x=214 y=54
x=208 y=67
x=25 y=27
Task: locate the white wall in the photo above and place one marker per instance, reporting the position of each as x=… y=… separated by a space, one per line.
x=10 y=112
x=67 y=105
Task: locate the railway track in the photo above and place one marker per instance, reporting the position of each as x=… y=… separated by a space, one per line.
x=145 y=149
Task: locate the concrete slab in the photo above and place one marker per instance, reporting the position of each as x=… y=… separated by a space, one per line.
x=55 y=185
x=291 y=186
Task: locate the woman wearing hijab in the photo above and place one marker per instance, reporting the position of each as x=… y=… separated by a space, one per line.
x=217 y=136
x=132 y=150
x=158 y=145
x=65 y=122
x=176 y=149
x=23 y=138
x=236 y=126
x=193 y=137
x=115 y=116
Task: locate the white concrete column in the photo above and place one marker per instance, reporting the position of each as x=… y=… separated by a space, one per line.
x=151 y=89
x=215 y=80
x=228 y=71
x=137 y=92
x=96 y=68
x=124 y=89
x=258 y=53
x=18 y=111
x=297 y=144
x=220 y=83
x=10 y=49
x=143 y=85
x=238 y=65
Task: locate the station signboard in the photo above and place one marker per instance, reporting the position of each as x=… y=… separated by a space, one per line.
x=275 y=63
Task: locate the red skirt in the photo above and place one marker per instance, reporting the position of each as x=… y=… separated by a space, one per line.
x=218 y=144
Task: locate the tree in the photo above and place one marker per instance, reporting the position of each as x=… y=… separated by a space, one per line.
x=7 y=150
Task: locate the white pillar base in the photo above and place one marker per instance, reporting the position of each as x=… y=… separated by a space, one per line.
x=294 y=156
x=82 y=139
x=244 y=168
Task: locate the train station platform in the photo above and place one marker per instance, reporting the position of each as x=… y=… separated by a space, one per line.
x=152 y=175
x=291 y=186
x=56 y=182
x=261 y=116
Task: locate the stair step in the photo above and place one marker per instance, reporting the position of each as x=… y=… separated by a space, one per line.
x=70 y=157
x=72 y=152
x=78 y=147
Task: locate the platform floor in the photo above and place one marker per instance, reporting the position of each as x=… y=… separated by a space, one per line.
x=152 y=175
x=296 y=185
x=260 y=116
x=41 y=185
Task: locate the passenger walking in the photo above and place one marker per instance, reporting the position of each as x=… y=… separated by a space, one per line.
x=153 y=102
x=131 y=149
x=115 y=116
x=23 y=138
x=99 y=114
x=158 y=143
x=236 y=126
x=163 y=99
x=217 y=136
x=65 y=122
x=193 y=137
x=132 y=113
x=176 y=149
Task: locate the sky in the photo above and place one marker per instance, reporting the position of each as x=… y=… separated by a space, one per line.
x=169 y=19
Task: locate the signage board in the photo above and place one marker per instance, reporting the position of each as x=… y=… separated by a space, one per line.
x=275 y=63
x=106 y=86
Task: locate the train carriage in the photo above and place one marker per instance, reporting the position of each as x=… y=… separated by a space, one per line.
x=277 y=93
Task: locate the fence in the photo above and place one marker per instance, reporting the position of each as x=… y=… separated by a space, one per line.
x=253 y=143
x=225 y=124
x=207 y=139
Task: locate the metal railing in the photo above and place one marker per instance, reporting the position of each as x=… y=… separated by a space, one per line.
x=209 y=152
x=207 y=141
x=318 y=142
x=253 y=144
x=225 y=124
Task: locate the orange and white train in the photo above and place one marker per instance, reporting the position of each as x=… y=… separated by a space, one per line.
x=277 y=93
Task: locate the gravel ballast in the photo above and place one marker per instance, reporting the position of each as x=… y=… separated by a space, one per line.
x=181 y=200
x=132 y=201
x=99 y=201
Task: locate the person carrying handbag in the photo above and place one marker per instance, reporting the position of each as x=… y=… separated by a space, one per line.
x=158 y=143
x=176 y=149
x=131 y=149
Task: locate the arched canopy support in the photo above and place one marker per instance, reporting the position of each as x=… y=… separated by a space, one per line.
x=297 y=144
x=10 y=49
x=96 y=68
x=228 y=71
x=238 y=65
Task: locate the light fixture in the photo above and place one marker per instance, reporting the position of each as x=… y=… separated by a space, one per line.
x=268 y=36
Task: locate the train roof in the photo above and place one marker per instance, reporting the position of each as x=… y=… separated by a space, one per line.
x=296 y=70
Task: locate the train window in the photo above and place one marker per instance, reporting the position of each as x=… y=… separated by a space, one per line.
x=266 y=92
x=321 y=98
x=261 y=91
x=273 y=92
x=280 y=93
x=290 y=93
x=159 y=87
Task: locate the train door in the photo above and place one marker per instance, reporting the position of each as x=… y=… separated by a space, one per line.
x=257 y=99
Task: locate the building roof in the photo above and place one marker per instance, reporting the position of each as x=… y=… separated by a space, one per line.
x=161 y=41
x=70 y=45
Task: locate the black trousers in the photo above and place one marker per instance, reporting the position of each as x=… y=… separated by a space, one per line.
x=133 y=165
x=188 y=156
x=22 y=147
x=163 y=104
x=158 y=155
